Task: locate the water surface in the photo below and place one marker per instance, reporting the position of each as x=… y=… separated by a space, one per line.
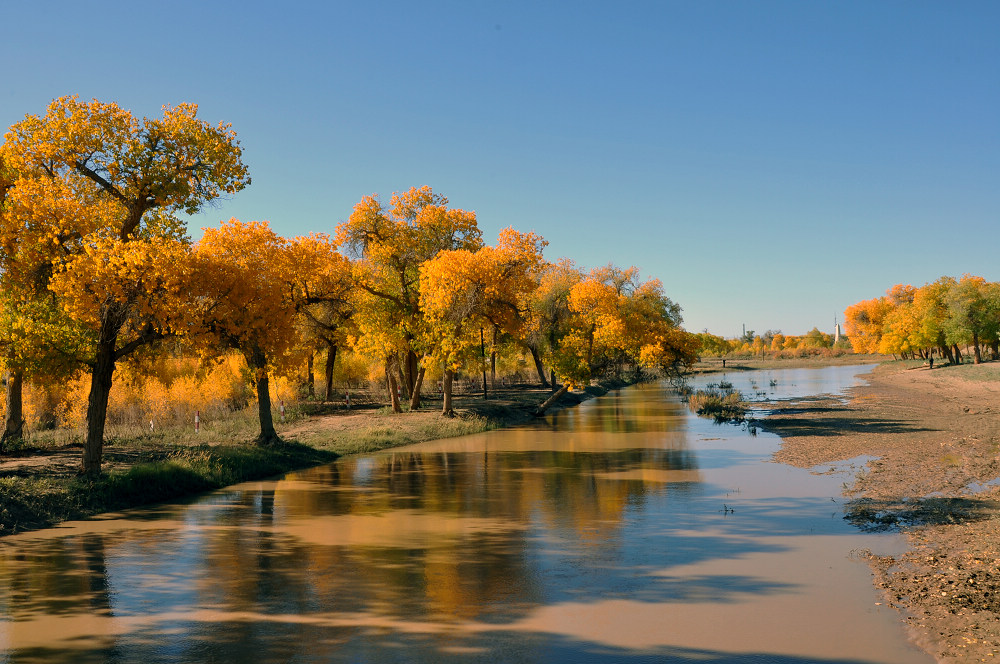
x=625 y=530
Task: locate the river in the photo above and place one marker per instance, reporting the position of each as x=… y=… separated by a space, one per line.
x=623 y=530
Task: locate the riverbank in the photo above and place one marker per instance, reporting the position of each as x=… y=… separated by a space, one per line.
x=39 y=486
x=934 y=436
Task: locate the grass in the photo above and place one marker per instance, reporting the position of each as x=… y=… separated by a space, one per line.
x=33 y=501
x=723 y=405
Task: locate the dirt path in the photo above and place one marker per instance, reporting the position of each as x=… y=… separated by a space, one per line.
x=936 y=439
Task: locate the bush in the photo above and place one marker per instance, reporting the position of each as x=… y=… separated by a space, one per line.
x=723 y=405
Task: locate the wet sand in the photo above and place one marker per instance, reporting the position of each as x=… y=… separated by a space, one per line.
x=934 y=436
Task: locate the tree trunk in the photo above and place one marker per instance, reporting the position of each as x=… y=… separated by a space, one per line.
x=493 y=360
x=415 y=397
x=551 y=400
x=958 y=353
x=946 y=352
x=995 y=350
x=449 y=377
x=975 y=346
x=97 y=405
x=538 y=366
x=393 y=387
x=410 y=373
x=552 y=380
x=14 y=421
x=258 y=362
x=310 y=379
x=331 y=357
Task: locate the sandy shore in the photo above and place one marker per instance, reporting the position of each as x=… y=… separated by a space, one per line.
x=935 y=439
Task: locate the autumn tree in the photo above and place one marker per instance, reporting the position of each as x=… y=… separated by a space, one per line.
x=971 y=318
x=321 y=290
x=463 y=291
x=389 y=245
x=617 y=320
x=864 y=323
x=241 y=299
x=120 y=181
x=549 y=315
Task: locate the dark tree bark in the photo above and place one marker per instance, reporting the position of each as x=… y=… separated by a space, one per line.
x=310 y=379
x=393 y=387
x=331 y=357
x=493 y=360
x=14 y=420
x=258 y=362
x=97 y=403
x=415 y=397
x=538 y=366
x=551 y=400
x=446 y=383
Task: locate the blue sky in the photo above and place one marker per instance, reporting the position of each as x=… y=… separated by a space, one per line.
x=770 y=162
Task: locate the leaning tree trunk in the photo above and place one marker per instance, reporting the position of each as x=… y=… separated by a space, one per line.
x=415 y=397
x=551 y=400
x=393 y=388
x=538 y=366
x=446 y=409
x=97 y=405
x=958 y=353
x=331 y=356
x=14 y=420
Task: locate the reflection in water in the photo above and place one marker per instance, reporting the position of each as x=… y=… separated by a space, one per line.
x=604 y=532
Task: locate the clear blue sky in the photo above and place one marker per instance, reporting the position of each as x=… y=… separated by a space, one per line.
x=771 y=162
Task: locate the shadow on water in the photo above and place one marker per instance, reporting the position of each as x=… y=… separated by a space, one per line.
x=548 y=544
x=289 y=642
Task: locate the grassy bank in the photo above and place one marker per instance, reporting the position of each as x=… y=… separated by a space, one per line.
x=39 y=486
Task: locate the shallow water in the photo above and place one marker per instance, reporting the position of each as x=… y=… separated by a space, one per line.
x=624 y=530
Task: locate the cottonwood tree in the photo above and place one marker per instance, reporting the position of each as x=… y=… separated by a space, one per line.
x=322 y=291
x=549 y=313
x=241 y=300
x=389 y=245
x=616 y=320
x=462 y=292
x=120 y=180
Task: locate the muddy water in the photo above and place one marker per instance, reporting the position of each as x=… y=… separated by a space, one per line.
x=623 y=530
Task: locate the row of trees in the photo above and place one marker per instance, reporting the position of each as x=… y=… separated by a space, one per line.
x=96 y=266
x=771 y=341
x=940 y=317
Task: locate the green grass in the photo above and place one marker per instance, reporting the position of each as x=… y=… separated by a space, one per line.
x=38 y=501
x=377 y=437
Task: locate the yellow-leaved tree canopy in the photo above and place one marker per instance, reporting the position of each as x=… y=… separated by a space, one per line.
x=462 y=292
x=389 y=245
x=99 y=188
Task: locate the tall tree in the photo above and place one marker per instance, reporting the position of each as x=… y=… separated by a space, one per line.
x=549 y=312
x=322 y=292
x=463 y=292
x=135 y=175
x=241 y=299
x=390 y=244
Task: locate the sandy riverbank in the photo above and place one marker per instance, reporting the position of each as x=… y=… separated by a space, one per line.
x=936 y=438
